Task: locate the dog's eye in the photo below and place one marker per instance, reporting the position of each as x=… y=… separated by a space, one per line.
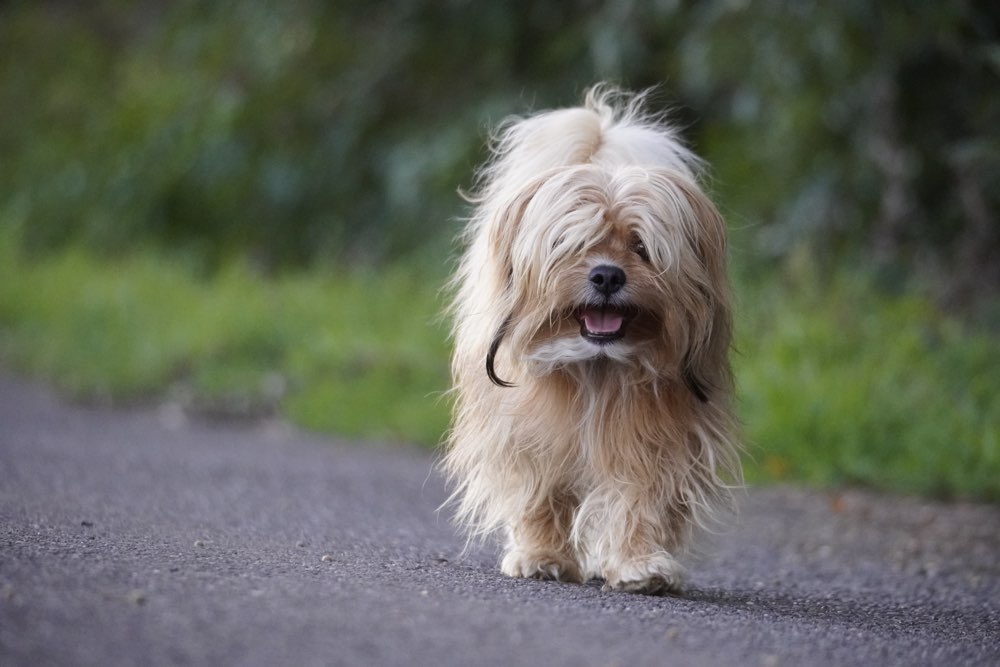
x=639 y=248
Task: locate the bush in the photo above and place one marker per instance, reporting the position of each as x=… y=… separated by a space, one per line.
x=309 y=131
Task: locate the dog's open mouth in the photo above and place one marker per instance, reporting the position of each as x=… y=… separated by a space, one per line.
x=602 y=324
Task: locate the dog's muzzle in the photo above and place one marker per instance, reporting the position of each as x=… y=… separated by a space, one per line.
x=602 y=321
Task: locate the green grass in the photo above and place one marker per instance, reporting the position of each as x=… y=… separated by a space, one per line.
x=838 y=384
x=360 y=355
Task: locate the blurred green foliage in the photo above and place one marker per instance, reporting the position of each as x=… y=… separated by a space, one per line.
x=306 y=131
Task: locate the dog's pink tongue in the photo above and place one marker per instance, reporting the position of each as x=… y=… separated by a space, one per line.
x=602 y=321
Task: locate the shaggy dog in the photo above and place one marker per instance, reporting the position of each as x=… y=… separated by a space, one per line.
x=593 y=419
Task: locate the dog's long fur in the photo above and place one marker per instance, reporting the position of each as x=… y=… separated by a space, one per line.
x=597 y=452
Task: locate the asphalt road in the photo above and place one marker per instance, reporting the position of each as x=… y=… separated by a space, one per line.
x=133 y=537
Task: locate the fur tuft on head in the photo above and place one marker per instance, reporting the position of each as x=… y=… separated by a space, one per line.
x=592 y=327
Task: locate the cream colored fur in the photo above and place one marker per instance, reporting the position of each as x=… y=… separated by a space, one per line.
x=602 y=457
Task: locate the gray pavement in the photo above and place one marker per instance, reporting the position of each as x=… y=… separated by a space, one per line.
x=139 y=536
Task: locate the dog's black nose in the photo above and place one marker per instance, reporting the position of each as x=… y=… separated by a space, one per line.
x=607 y=279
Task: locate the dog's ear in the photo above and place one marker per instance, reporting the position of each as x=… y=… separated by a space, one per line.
x=503 y=229
x=491 y=356
x=505 y=223
x=705 y=366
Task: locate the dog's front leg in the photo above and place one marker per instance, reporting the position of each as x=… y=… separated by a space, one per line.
x=631 y=540
x=538 y=543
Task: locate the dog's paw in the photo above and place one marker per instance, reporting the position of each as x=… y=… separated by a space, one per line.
x=540 y=565
x=658 y=574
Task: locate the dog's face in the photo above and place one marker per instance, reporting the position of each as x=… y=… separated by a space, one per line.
x=626 y=267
